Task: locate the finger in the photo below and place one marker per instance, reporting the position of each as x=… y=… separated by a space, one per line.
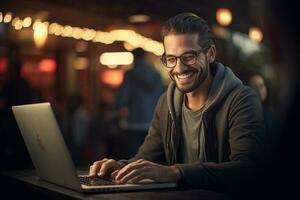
x=139 y=177
x=133 y=165
x=128 y=168
x=114 y=174
x=139 y=161
x=94 y=168
x=131 y=174
x=106 y=166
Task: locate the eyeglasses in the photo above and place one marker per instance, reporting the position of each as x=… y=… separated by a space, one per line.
x=187 y=58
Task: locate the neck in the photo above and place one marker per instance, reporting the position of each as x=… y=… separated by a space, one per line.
x=196 y=99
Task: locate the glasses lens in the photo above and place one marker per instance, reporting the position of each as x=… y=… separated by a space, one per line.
x=189 y=58
x=170 y=61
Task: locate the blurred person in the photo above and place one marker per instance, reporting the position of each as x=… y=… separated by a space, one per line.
x=272 y=121
x=207 y=129
x=136 y=101
x=16 y=91
x=76 y=125
x=100 y=134
x=257 y=82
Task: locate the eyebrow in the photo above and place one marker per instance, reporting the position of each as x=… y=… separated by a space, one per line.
x=190 y=51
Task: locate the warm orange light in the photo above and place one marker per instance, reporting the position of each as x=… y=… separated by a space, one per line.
x=112 y=77
x=255 y=34
x=40 y=33
x=3 y=65
x=7 y=18
x=116 y=58
x=27 y=22
x=224 y=16
x=47 y=65
x=139 y=18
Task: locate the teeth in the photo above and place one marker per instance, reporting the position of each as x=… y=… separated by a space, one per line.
x=183 y=76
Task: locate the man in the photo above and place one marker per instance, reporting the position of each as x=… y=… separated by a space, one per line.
x=207 y=129
x=140 y=91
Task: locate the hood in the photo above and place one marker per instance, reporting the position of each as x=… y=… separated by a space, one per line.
x=224 y=81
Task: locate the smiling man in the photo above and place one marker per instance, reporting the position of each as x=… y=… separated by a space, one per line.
x=207 y=130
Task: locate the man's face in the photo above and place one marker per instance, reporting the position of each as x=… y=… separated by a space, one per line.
x=188 y=77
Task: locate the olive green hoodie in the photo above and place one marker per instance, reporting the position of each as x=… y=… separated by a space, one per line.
x=233 y=130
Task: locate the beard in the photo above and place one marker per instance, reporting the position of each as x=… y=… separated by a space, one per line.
x=198 y=76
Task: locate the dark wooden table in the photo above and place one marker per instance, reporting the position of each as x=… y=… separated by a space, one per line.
x=24 y=184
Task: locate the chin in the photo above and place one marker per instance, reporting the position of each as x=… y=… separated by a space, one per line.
x=186 y=89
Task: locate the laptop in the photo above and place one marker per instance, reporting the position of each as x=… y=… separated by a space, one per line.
x=51 y=158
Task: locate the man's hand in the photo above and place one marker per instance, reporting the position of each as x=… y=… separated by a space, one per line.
x=142 y=169
x=104 y=167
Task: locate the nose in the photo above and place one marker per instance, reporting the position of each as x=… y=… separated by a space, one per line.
x=179 y=67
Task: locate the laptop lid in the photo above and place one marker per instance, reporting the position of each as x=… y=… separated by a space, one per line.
x=50 y=155
x=46 y=145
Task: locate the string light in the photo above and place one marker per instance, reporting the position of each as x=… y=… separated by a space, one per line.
x=27 y=22
x=18 y=24
x=7 y=18
x=129 y=36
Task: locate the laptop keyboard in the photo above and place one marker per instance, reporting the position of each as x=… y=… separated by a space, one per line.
x=94 y=181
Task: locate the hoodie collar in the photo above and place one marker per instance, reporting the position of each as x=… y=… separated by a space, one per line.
x=174 y=99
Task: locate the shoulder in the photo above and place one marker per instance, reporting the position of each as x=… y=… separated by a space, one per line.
x=244 y=99
x=243 y=92
x=162 y=101
x=161 y=112
x=161 y=108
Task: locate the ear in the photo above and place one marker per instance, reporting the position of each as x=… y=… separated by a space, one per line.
x=212 y=54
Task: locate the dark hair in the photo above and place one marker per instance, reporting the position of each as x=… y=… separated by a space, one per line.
x=189 y=23
x=138 y=53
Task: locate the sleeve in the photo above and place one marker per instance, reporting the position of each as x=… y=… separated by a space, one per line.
x=153 y=147
x=246 y=140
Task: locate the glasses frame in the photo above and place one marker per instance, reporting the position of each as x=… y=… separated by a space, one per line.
x=197 y=53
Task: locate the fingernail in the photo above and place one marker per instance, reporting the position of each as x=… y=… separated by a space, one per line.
x=118 y=181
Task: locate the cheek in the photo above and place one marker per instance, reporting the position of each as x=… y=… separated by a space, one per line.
x=202 y=64
x=170 y=73
x=201 y=67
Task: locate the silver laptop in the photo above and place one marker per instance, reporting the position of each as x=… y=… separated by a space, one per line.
x=51 y=157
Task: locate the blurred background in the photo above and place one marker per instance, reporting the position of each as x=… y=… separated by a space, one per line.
x=76 y=54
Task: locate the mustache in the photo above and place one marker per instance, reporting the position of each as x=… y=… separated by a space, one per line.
x=174 y=73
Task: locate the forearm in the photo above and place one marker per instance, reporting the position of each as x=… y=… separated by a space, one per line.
x=217 y=175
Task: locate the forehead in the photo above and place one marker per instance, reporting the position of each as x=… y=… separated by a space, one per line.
x=177 y=44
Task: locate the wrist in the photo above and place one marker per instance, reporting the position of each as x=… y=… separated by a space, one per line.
x=176 y=173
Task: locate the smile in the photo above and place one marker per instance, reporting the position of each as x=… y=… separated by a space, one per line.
x=185 y=76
